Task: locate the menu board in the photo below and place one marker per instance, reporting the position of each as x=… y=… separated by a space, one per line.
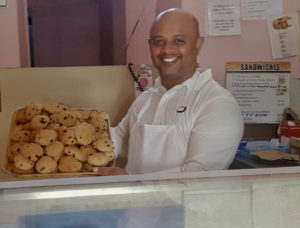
x=260 y=88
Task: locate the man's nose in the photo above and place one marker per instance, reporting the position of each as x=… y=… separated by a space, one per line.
x=167 y=47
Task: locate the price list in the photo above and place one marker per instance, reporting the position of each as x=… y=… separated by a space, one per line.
x=260 y=88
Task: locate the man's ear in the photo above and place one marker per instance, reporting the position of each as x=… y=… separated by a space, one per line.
x=199 y=43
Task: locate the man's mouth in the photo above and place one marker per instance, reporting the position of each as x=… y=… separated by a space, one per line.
x=169 y=59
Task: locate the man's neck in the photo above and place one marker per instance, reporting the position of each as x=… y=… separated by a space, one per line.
x=170 y=83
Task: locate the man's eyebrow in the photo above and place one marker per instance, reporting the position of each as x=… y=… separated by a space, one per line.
x=158 y=36
x=179 y=36
x=155 y=37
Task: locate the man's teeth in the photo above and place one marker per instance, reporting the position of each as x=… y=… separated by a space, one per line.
x=169 y=60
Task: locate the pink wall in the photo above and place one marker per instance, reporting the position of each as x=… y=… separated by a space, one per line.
x=137 y=47
x=252 y=45
x=145 y=11
x=9 y=36
x=162 y=5
x=13 y=36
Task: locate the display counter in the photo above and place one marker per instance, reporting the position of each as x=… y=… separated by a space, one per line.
x=232 y=198
x=248 y=198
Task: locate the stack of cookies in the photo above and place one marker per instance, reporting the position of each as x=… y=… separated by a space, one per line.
x=55 y=138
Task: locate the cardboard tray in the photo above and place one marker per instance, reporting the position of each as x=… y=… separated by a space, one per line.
x=6 y=165
x=275 y=157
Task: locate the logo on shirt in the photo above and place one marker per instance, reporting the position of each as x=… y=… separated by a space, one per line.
x=181 y=109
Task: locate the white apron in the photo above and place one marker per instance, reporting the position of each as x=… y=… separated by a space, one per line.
x=154 y=148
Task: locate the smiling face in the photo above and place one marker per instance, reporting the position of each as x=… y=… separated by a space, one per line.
x=174 y=46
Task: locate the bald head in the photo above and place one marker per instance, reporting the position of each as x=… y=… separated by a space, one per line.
x=176 y=13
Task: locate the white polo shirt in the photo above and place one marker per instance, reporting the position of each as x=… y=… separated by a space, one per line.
x=207 y=119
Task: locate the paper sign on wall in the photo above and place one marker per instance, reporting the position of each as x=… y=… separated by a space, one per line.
x=260 y=88
x=223 y=17
x=261 y=9
x=284 y=35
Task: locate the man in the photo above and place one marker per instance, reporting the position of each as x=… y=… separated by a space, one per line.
x=187 y=121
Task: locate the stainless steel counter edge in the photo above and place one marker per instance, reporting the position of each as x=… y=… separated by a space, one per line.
x=147 y=177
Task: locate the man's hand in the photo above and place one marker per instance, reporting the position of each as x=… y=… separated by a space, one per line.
x=109 y=171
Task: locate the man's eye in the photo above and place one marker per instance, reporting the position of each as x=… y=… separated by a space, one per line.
x=158 y=43
x=179 y=41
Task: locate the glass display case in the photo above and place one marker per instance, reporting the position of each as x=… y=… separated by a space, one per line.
x=247 y=198
x=234 y=198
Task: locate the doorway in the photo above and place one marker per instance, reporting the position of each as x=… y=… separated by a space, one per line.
x=77 y=33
